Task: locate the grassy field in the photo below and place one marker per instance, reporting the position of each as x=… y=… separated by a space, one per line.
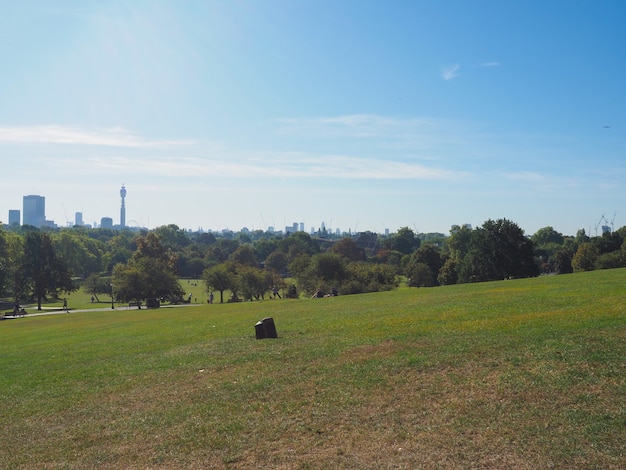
x=514 y=374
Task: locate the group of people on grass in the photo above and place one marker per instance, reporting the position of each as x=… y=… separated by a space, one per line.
x=319 y=294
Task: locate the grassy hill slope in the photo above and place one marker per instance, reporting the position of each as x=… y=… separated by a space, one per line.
x=521 y=374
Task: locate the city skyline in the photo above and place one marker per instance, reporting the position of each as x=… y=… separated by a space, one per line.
x=34 y=214
x=365 y=115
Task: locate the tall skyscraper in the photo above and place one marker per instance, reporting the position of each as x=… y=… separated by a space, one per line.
x=34 y=211
x=123 y=209
x=78 y=219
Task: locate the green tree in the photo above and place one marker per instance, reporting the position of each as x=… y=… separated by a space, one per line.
x=426 y=255
x=265 y=247
x=581 y=236
x=298 y=243
x=421 y=276
x=244 y=255
x=252 y=282
x=585 y=257
x=96 y=285
x=347 y=248
x=172 y=237
x=149 y=275
x=364 y=277
x=369 y=243
x=17 y=284
x=459 y=242
x=562 y=261
x=276 y=261
x=219 y=278
x=220 y=251
x=119 y=249
x=45 y=272
x=299 y=264
x=81 y=254
x=403 y=241
x=448 y=273
x=608 y=242
x=498 y=250
x=325 y=270
x=610 y=260
x=547 y=235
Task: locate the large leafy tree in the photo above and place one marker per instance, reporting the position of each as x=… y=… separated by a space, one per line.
x=459 y=241
x=219 y=251
x=81 y=254
x=403 y=241
x=252 y=282
x=364 y=277
x=347 y=248
x=324 y=271
x=276 y=261
x=119 y=249
x=44 y=272
x=562 y=261
x=498 y=250
x=219 y=278
x=428 y=256
x=17 y=284
x=149 y=275
x=585 y=257
x=96 y=285
x=244 y=255
x=547 y=235
x=297 y=244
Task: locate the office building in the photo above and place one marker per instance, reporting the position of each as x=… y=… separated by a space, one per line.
x=14 y=217
x=34 y=210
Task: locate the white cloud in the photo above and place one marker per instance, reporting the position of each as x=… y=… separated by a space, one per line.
x=450 y=72
x=270 y=165
x=113 y=137
x=356 y=126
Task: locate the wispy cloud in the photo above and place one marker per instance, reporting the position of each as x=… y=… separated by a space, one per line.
x=271 y=165
x=488 y=64
x=450 y=72
x=360 y=126
x=113 y=137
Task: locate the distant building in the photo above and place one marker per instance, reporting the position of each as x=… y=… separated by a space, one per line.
x=106 y=222
x=123 y=208
x=78 y=219
x=14 y=217
x=291 y=229
x=34 y=210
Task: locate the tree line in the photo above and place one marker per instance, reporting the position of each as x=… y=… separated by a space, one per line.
x=144 y=266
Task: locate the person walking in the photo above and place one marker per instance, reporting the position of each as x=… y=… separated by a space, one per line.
x=275 y=292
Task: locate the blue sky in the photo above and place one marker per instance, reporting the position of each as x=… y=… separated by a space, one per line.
x=365 y=115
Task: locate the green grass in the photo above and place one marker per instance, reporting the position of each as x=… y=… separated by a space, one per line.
x=517 y=374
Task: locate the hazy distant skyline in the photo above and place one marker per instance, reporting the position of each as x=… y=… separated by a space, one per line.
x=365 y=115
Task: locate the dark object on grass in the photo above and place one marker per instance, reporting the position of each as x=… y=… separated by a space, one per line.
x=265 y=329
